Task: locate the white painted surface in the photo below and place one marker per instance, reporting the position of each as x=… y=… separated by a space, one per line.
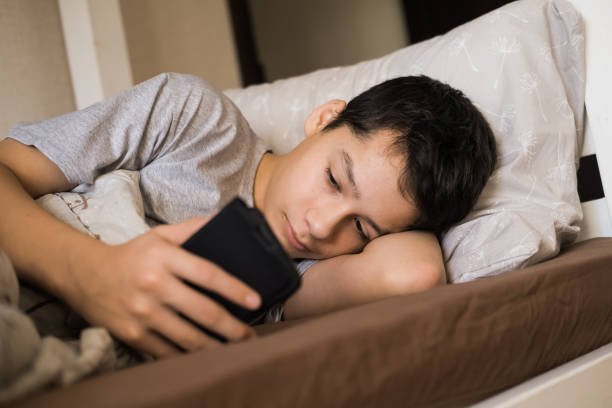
x=584 y=382
x=596 y=222
x=96 y=48
x=111 y=46
x=597 y=15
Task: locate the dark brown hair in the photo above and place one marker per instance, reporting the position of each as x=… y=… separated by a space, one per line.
x=448 y=146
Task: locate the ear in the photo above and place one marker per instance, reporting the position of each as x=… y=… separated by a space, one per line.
x=322 y=115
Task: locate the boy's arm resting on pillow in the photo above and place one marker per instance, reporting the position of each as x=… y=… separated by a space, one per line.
x=390 y=265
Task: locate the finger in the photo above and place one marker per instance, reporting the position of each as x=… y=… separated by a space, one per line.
x=206 y=274
x=203 y=310
x=179 y=331
x=179 y=233
x=155 y=345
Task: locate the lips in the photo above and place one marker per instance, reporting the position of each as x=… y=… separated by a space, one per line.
x=291 y=236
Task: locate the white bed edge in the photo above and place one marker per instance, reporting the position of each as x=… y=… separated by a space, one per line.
x=582 y=382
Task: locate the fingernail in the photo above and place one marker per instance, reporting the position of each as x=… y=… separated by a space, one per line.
x=252 y=300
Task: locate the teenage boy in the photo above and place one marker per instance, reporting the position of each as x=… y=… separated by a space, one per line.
x=369 y=190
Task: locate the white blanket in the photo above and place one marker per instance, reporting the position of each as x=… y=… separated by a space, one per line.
x=42 y=342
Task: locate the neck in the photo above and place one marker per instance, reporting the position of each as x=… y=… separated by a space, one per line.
x=264 y=172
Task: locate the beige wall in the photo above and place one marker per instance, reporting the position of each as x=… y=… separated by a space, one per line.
x=34 y=78
x=192 y=36
x=188 y=36
x=296 y=37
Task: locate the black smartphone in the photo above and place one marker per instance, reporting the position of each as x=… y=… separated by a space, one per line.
x=239 y=240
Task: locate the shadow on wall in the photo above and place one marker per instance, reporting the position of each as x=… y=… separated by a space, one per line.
x=294 y=37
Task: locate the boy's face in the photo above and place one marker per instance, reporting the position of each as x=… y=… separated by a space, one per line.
x=334 y=193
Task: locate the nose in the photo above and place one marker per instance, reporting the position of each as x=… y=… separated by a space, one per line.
x=324 y=220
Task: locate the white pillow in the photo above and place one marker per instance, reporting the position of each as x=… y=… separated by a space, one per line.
x=110 y=209
x=523 y=66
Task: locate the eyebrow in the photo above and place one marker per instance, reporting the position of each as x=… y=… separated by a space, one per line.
x=348 y=169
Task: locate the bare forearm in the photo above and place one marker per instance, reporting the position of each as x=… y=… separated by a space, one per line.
x=40 y=246
x=333 y=284
x=392 y=265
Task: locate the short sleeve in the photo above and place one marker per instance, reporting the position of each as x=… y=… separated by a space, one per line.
x=192 y=146
x=126 y=131
x=275 y=313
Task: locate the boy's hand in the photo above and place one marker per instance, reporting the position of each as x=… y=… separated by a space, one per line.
x=135 y=290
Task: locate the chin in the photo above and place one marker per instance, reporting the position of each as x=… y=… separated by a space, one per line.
x=292 y=252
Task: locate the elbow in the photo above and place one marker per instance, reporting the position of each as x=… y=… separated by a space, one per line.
x=419 y=278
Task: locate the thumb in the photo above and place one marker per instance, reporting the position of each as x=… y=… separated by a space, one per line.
x=179 y=233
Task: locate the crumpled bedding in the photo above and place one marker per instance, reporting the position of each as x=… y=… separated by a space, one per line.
x=43 y=342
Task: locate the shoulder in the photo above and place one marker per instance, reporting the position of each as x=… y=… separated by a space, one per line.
x=188 y=81
x=170 y=87
x=183 y=84
x=170 y=92
x=187 y=93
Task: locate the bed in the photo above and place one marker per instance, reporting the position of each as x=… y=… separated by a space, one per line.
x=524 y=324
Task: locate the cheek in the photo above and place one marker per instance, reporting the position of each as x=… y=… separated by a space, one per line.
x=306 y=188
x=344 y=242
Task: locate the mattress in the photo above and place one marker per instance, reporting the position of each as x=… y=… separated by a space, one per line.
x=454 y=345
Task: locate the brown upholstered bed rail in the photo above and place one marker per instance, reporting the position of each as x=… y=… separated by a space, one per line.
x=451 y=346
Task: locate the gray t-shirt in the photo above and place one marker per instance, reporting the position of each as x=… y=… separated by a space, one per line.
x=194 y=149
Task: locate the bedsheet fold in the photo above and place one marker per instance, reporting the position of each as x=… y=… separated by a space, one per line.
x=43 y=343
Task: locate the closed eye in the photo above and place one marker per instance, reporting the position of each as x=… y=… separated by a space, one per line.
x=359 y=227
x=331 y=179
